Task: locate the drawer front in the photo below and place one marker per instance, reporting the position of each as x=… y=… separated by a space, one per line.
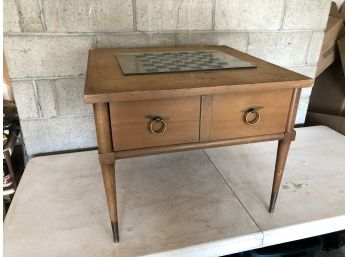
x=131 y=122
x=249 y=114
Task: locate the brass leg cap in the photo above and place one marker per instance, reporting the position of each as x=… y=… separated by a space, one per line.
x=114 y=226
x=273 y=202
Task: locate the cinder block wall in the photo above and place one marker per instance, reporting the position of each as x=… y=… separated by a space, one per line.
x=46 y=44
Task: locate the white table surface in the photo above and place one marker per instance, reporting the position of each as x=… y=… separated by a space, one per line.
x=198 y=203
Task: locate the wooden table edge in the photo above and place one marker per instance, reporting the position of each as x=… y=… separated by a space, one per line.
x=90 y=97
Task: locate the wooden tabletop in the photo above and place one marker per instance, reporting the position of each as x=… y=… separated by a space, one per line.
x=105 y=81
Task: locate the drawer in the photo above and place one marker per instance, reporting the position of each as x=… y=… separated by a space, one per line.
x=177 y=122
x=229 y=112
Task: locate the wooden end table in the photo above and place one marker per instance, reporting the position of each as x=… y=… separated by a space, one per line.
x=147 y=114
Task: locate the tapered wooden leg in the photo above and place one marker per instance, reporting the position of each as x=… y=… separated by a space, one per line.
x=282 y=153
x=102 y=123
x=283 y=147
x=108 y=172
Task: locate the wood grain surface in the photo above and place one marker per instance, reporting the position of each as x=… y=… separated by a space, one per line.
x=106 y=83
x=228 y=114
x=130 y=126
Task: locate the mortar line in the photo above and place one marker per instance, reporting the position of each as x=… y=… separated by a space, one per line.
x=307 y=50
x=177 y=22
x=81 y=34
x=47 y=78
x=19 y=16
x=134 y=6
x=228 y=185
x=283 y=14
x=58 y=117
x=55 y=97
x=213 y=16
x=52 y=34
x=37 y=101
x=178 y=15
x=42 y=16
x=175 y=38
x=248 y=41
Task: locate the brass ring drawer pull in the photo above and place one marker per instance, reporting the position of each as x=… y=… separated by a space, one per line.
x=163 y=127
x=247 y=116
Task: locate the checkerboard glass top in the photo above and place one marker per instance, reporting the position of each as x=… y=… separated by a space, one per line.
x=178 y=61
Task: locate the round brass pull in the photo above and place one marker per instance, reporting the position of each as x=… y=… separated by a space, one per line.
x=253 y=121
x=161 y=130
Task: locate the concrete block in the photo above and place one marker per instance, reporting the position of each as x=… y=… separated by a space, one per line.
x=235 y=40
x=135 y=39
x=88 y=16
x=309 y=14
x=248 y=15
x=70 y=96
x=30 y=16
x=25 y=99
x=286 y=49
x=47 y=56
x=46 y=96
x=302 y=110
x=58 y=134
x=315 y=47
x=172 y=15
x=308 y=71
x=11 y=19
